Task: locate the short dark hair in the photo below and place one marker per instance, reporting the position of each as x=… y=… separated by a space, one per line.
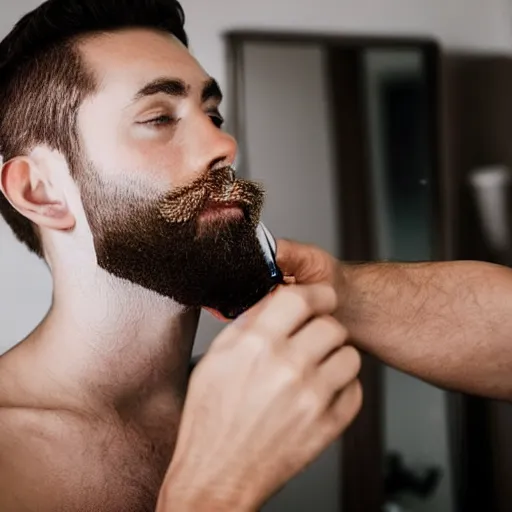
x=43 y=80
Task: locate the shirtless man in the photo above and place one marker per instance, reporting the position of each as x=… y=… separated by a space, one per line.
x=91 y=401
x=116 y=172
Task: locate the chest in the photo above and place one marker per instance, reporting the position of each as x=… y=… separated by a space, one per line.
x=130 y=462
x=102 y=466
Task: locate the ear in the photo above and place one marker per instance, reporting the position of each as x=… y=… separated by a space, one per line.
x=30 y=191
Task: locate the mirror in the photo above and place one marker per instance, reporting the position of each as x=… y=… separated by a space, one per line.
x=342 y=133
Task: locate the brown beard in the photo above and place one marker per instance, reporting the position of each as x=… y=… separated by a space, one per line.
x=159 y=242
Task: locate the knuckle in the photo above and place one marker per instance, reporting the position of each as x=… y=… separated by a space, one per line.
x=289 y=374
x=308 y=401
x=253 y=338
x=256 y=343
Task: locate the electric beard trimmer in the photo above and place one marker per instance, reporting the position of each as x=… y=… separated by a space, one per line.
x=275 y=277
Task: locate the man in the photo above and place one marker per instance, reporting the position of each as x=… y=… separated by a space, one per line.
x=116 y=171
x=449 y=323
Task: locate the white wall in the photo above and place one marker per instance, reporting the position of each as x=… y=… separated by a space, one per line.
x=483 y=25
x=25 y=289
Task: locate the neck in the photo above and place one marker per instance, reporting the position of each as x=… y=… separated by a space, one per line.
x=106 y=342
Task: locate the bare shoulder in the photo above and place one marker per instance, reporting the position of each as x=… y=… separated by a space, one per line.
x=34 y=472
x=50 y=461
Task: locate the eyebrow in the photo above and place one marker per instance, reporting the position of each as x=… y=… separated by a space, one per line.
x=179 y=89
x=211 y=90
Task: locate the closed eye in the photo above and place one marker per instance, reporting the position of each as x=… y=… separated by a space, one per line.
x=216 y=118
x=162 y=120
x=165 y=120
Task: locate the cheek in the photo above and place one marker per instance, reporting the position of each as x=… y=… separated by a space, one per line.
x=160 y=156
x=139 y=156
x=99 y=134
x=162 y=160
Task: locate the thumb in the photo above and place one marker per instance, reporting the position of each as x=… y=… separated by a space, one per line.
x=306 y=263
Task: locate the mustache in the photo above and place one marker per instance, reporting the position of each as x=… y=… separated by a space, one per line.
x=215 y=186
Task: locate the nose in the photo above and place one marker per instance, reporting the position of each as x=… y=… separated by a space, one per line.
x=211 y=147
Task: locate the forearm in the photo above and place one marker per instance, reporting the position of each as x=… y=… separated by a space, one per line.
x=448 y=323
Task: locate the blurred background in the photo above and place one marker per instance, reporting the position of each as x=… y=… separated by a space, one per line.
x=381 y=130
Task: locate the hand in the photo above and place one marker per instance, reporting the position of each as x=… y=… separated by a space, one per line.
x=277 y=386
x=308 y=264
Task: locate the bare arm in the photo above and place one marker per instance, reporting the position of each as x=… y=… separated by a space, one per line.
x=448 y=323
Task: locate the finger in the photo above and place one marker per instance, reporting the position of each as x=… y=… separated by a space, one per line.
x=292 y=257
x=282 y=314
x=292 y=306
x=345 y=408
x=306 y=263
x=318 y=339
x=252 y=311
x=339 y=369
x=237 y=328
x=289 y=279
